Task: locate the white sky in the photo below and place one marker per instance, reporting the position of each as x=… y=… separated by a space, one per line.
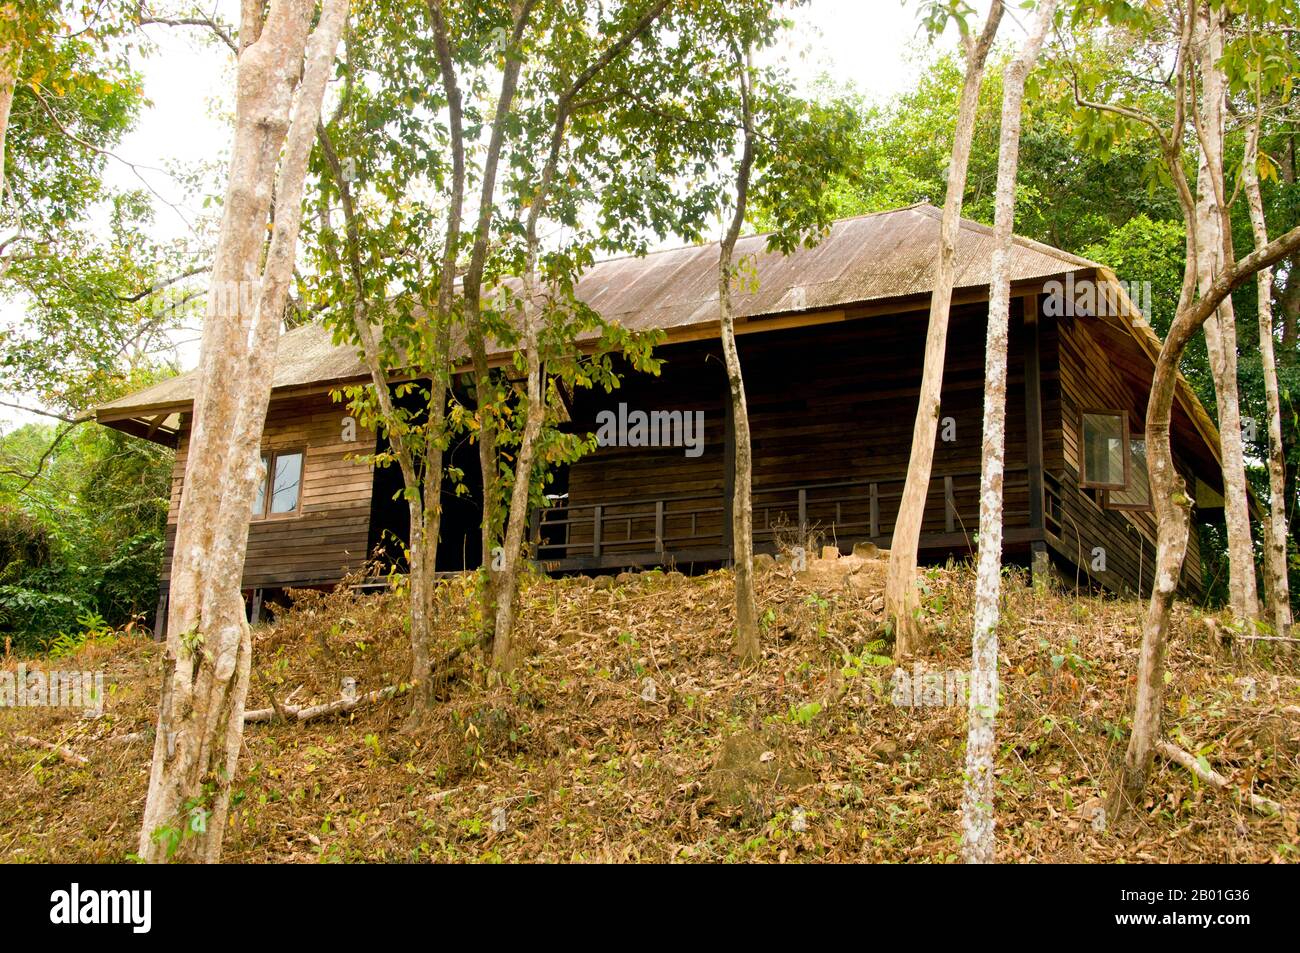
x=871 y=44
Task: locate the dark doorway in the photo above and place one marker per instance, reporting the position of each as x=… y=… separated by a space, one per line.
x=459 y=546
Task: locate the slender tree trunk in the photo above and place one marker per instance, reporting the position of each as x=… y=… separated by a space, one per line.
x=10 y=63
x=1214 y=248
x=1275 y=535
x=201 y=713
x=978 y=793
x=902 y=603
x=1289 y=304
x=504 y=587
x=422 y=539
x=507 y=588
x=422 y=510
x=1170 y=499
x=484 y=389
x=435 y=435
x=1173 y=517
x=745 y=644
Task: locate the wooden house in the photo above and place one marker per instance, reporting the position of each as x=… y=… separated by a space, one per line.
x=831 y=342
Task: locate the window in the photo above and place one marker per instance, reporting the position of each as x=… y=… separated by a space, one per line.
x=1137 y=495
x=280 y=491
x=1105 y=460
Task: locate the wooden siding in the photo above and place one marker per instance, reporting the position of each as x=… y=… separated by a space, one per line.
x=828 y=406
x=328 y=536
x=831 y=410
x=1085 y=378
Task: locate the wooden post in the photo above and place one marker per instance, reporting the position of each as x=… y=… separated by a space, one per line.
x=949 y=506
x=160 y=617
x=597 y=519
x=803 y=516
x=875 y=510
x=659 y=527
x=728 y=474
x=1039 y=564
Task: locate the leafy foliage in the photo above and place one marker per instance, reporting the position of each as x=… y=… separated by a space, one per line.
x=85 y=539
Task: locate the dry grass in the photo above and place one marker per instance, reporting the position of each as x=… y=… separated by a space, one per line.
x=804 y=758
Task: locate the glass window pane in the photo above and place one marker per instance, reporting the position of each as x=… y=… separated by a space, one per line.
x=1138 y=492
x=259 y=501
x=1103 y=450
x=287 y=483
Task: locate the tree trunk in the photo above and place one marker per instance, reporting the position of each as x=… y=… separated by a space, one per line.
x=1275 y=535
x=419 y=556
x=9 y=66
x=421 y=495
x=503 y=585
x=978 y=793
x=422 y=700
x=902 y=603
x=507 y=583
x=472 y=286
x=745 y=644
x=1214 y=249
x=1289 y=304
x=1173 y=518
x=200 y=718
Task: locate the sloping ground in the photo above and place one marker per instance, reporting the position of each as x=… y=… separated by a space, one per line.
x=631 y=735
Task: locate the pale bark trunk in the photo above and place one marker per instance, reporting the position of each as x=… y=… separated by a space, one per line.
x=507 y=588
x=745 y=644
x=419 y=560
x=1275 y=534
x=419 y=557
x=902 y=602
x=1214 y=246
x=1173 y=515
x=503 y=586
x=423 y=570
x=978 y=840
x=200 y=719
x=472 y=287
x=1169 y=494
x=9 y=66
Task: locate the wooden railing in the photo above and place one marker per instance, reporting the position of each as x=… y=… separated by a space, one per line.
x=695 y=526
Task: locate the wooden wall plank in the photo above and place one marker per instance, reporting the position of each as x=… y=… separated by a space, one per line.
x=329 y=535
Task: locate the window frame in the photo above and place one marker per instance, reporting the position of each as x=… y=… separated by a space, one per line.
x=271 y=455
x=1149 y=505
x=1086 y=483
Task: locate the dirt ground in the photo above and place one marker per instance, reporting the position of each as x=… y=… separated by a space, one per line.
x=630 y=734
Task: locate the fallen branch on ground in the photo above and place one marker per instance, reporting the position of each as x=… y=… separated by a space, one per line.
x=1225 y=635
x=1260 y=804
x=130 y=739
x=307 y=712
x=64 y=754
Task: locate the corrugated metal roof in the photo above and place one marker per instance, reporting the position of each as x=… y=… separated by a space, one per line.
x=865 y=259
